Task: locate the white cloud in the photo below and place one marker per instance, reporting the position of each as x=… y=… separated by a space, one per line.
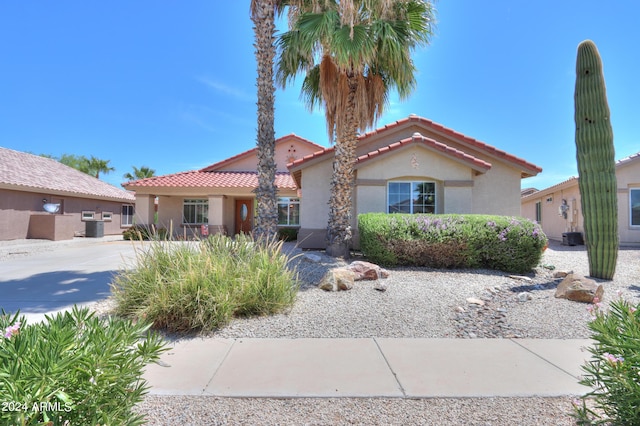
x=213 y=120
x=225 y=89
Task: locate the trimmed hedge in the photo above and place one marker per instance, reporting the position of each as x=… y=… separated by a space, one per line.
x=510 y=244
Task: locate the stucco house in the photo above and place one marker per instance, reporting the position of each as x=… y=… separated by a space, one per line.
x=220 y=198
x=42 y=198
x=412 y=165
x=558 y=208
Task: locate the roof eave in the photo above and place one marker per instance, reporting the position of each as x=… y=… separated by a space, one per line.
x=41 y=190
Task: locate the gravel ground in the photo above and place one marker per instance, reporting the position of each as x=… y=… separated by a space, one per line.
x=190 y=410
x=418 y=302
x=421 y=302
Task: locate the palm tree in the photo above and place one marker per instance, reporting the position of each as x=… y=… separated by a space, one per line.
x=97 y=166
x=263 y=17
x=353 y=53
x=139 y=173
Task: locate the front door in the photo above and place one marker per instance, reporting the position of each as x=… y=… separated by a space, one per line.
x=244 y=216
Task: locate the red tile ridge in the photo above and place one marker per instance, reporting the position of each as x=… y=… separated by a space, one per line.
x=230 y=160
x=418 y=138
x=472 y=141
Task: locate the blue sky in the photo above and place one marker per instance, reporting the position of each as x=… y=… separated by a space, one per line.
x=171 y=85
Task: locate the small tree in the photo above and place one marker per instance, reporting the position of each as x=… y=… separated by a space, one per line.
x=596 y=163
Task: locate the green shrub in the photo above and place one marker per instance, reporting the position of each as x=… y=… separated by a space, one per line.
x=185 y=286
x=452 y=241
x=614 y=368
x=288 y=234
x=144 y=233
x=73 y=369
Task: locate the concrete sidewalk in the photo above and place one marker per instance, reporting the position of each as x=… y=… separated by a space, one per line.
x=374 y=367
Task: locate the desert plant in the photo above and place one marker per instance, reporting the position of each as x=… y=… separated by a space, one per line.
x=452 y=241
x=145 y=232
x=201 y=285
x=613 y=370
x=73 y=369
x=596 y=163
x=288 y=234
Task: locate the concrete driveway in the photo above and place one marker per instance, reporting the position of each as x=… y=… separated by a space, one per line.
x=43 y=277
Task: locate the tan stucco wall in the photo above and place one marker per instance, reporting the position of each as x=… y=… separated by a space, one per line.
x=144 y=212
x=497 y=191
x=17 y=207
x=170 y=213
x=458 y=199
x=314 y=207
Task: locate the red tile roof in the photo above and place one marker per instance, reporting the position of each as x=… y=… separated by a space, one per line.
x=529 y=168
x=21 y=171
x=206 y=179
x=461 y=137
x=251 y=152
x=417 y=138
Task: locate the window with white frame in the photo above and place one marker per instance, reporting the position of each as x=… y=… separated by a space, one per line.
x=107 y=216
x=88 y=215
x=634 y=206
x=411 y=197
x=289 y=211
x=126 y=215
x=195 y=211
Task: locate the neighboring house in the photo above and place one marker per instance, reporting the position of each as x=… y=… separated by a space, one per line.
x=412 y=165
x=42 y=198
x=558 y=208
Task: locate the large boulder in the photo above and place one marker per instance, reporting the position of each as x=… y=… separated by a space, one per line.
x=580 y=289
x=367 y=271
x=338 y=279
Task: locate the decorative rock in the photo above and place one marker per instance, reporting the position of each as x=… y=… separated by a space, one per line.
x=561 y=274
x=460 y=309
x=337 y=279
x=524 y=296
x=367 y=270
x=579 y=289
x=475 y=301
x=312 y=257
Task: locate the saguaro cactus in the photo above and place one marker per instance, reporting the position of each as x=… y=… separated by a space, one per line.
x=596 y=163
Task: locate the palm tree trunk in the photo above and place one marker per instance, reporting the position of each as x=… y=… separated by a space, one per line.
x=339 y=232
x=262 y=15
